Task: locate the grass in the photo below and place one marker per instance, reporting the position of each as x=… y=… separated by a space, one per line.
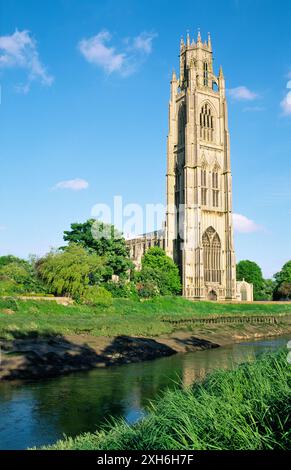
x=244 y=409
x=123 y=317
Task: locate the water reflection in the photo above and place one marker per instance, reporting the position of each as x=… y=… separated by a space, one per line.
x=41 y=412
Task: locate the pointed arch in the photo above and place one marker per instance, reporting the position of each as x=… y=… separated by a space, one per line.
x=211 y=255
x=207 y=121
x=181 y=124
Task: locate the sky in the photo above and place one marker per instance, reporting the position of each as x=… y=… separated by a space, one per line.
x=84 y=113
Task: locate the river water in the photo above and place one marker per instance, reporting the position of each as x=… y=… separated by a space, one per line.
x=40 y=412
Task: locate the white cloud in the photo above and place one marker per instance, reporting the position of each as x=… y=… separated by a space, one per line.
x=97 y=50
x=76 y=184
x=244 y=225
x=19 y=50
x=286 y=102
x=144 y=42
x=242 y=93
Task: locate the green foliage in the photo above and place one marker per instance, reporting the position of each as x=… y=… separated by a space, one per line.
x=71 y=270
x=147 y=287
x=104 y=240
x=252 y=273
x=244 y=409
x=268 y=289
x=122 y=289
x=159 y=274
x=282 y=289
x=9 y=303
x=97 y=296
x=18 y=276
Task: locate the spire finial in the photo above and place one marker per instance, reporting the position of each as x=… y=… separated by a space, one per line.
x=199 y=36
x=188 y=38
x=209 y=42
x=174 y=77
x=220 y=72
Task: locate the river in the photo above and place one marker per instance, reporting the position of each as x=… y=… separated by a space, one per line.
x=42 y=411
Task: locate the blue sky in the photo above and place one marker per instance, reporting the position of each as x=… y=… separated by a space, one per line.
x=83 y=115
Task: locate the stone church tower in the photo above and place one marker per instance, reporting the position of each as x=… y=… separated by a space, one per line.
x=199 y=229
x=198 y=232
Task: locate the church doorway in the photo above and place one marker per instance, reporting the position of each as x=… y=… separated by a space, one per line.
x=212 y=295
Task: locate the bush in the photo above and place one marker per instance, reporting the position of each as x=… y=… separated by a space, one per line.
x=122 y=290
x=97 y=297
x=147 y=289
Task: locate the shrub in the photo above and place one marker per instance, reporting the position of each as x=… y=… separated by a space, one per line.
x=97 y=297
x=147 y=289
x=123 y=290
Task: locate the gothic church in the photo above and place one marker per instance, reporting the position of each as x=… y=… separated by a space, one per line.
x=198 y=232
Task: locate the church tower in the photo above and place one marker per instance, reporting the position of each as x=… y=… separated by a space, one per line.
x=199 y=230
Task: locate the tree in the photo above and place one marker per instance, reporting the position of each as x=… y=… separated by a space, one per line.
x=18 y=275
x=104 y=240
x=71 y=270
x=268 y=289
x=252 y=273
x=282 y=289
x=159 y=273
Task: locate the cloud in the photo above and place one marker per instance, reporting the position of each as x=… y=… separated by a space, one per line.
x=97 y=50
x=76 y=184
x=144 y=42
x=244 y=225
x=286 y=102
x=19 y=50
x=242 y=93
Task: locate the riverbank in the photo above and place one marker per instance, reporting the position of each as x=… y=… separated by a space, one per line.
x=27 y=358
x=254 y=398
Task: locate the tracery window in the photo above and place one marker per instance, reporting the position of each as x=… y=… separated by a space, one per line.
x=206 y=123
x=211 y=256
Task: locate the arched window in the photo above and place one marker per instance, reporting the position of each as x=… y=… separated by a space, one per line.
x=181 y=125
x=211 y=256
x=203 y=186
x=205 y=74
x=215 y=188
x=206 y=123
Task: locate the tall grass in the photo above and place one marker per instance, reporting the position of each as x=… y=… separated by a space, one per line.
x=247 y=408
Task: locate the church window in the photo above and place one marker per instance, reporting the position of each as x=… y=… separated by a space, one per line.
x=203 y=187
x=206 y=123
x=215 y=198
x=211 y=256
x=205 y=74
x=181 y=125
x=215 y=189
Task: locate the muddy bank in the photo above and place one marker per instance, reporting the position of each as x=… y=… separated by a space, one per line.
x=32 y=358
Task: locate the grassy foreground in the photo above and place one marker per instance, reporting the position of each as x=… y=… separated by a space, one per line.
x=247 y=408
x=21 y=318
